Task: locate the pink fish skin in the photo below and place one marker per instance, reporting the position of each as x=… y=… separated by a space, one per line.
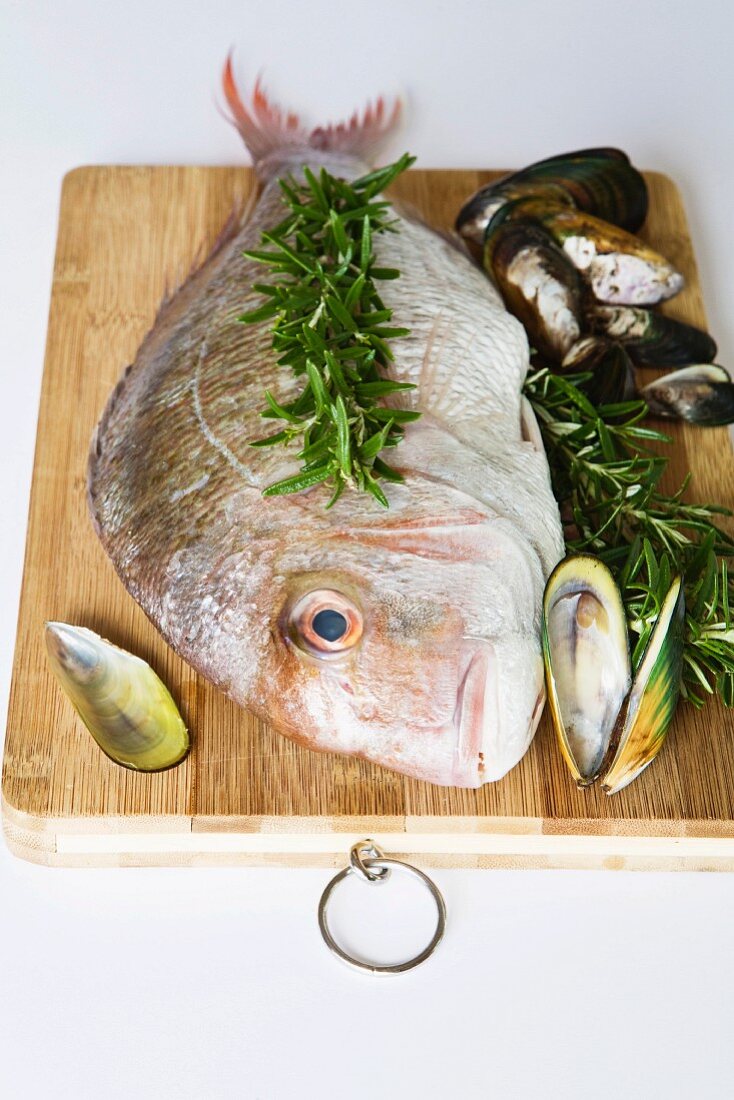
x=437 y=672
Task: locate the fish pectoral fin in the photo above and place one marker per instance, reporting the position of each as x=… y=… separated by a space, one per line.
x=529 y=427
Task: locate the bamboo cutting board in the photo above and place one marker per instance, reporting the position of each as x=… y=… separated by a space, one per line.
x=246 y=795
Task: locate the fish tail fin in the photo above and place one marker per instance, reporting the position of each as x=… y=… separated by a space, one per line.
x=266 y=129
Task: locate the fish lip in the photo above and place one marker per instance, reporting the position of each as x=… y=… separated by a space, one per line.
x=469 y=712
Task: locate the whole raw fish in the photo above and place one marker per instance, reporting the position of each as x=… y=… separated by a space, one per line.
x=410 y=637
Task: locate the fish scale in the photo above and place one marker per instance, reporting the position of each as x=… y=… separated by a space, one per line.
x=445 y=682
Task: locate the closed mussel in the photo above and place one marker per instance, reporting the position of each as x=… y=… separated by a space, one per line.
x=600 y=181
x=703 y=394
x=477 y=213
x=612 y=374
x=618 y=268
x=587 y=662
x=648 y=710
x=652 y=339
x=124 y=705
x=538 y=284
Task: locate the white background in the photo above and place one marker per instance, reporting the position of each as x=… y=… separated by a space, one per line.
x=213 y=983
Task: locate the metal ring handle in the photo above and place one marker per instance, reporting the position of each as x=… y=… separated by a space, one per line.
x=363 y=866
x=357 y=862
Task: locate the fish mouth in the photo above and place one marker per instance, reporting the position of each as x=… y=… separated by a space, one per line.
x=487 y=742
x=471 y=718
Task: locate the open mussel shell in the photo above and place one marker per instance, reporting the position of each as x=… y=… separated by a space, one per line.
x=587 y=661
x=648 y=710
x=652 y=339
x=124 y=705
x=538 y=284
x=612 y=374
x=618 y=268
x=600 y=181
x=703 y=394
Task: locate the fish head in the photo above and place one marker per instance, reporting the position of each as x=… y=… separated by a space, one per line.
x=405 y=641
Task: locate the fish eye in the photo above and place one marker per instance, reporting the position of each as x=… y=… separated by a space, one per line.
x=329 y=624
x=325 y=623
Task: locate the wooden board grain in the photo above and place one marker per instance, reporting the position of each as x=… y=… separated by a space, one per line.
x=126 y=236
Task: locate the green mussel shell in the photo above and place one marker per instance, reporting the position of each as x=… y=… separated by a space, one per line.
x=124 y=705
x=652 y=339
x=538 y=284
x=617 y=267
x=702 y=394
x=587 y=661
x=648 y=710
x=599 y=181
x=612 y=374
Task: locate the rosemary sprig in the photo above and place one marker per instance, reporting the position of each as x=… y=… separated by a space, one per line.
x=331 y=327
x=607 y=482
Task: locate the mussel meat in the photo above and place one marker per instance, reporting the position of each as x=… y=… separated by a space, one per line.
x=124 y=705
x=652 y=339
x=702 y=394
x=538 y=284
x=648 y=710
x=587 y=661
x=605 y=726
x=612 y=374
x=600 y=181
x=619 y=268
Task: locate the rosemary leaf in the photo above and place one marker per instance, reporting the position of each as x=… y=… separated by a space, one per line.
x=298 y=482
